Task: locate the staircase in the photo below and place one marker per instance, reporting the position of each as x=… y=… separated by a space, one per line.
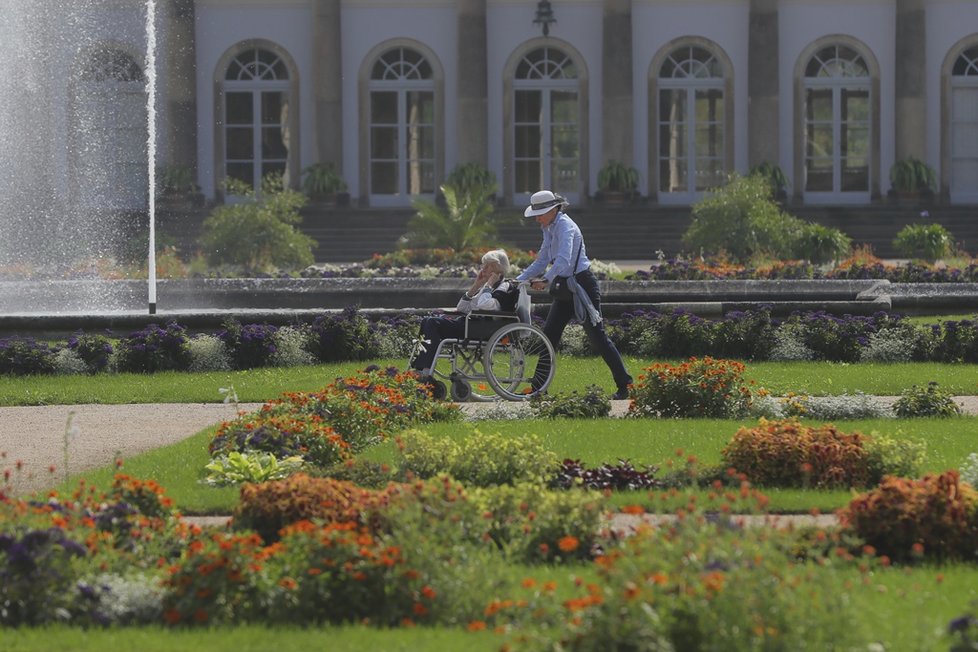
x=632 y=232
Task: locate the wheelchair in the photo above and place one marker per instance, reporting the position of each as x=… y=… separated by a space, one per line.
x=500 y=356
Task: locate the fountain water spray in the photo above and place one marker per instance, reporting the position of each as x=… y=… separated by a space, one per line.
x=151 y=144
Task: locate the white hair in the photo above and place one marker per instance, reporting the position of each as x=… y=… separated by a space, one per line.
x=499 y=257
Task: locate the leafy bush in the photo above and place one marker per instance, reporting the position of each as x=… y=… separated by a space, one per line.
x=969 y=472
x=281 y=435
x=480 y=460
x=153 y=349
x=591 y=404
x=620 y=477
x=955 y=341
x=235 y=468
x=94 y=350
x=465 y=221
x=696 y=388
x=208 y=353
x=927 y=241
x=936 y=516
x=786 y=453
x=22 y=356
x=931 y=401
x=471 y=180
x=268 y=507
x=897 y=457
x=346 y=336
x=822 y=408
x=742 y=220
x=250 y=345
x=821 y=244
x=259 y=235
x=531 y=524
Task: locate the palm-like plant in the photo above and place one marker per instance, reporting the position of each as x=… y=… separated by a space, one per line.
x=465 y=221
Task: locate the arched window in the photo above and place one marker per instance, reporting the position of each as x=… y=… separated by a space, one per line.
x=402 y=142
x=256 y=120
x=963 y=127
x=692 y=123
x=109 y=132
x=546 y=124
x=837 y=125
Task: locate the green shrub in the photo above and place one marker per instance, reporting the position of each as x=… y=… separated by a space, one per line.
x=704 y=388
x=936 y=516
x=153 y=349
x=742 y=220
x=259 y=235
x=22 y=356
x=786 y=453
x=591 y=404
x=897 y=457
x=479 y=460
x=931 y=401
x=465 y=221
x=929 y=242
x=822 y=244
x=472 y=180
x=236 y=468
x=345 y=336
x=533 y=524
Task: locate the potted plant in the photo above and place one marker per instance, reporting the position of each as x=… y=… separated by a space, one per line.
x=775 y=177
x=323 y=184
x=617 y=183
x=912 y=179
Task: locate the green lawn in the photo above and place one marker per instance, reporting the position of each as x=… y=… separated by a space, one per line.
x=573 y=373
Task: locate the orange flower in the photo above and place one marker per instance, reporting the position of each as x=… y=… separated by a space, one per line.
x=428 y=592
x=419 y=609
x=288 y=583
x=201 y=616
x=172 y=616
x=568 y=543
x=476 y=626
x=632 y=509
x=529 y=583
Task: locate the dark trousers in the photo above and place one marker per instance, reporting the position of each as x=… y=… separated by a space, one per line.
x=434 y=329
x=561 y=312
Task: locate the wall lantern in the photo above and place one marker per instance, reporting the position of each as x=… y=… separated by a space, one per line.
x=545 y=16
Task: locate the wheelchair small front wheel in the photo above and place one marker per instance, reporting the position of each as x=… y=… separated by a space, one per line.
x=519 y=361
x=461 y=390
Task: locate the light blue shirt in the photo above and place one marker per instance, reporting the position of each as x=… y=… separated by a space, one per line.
x=561 y=239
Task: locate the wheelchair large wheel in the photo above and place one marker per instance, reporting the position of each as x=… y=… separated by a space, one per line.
x=519 y=362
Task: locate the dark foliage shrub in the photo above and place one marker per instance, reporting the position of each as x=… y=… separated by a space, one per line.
x=936 y=516
x=250 y=345
x=268 y=507
x=95 y=350
x=22 y=356
x=839 y=339
x=788 y=454
x=591 y=404
x=154 y=349
x=36 y=574
x=347 y=336
x=930 y=401
x=616 y=477
x=955 y=341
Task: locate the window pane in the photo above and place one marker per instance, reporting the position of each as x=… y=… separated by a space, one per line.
x=964 y=103
x=818 y=105
x=564 y=175
x=273 y=109
x=672 y=175
x=709 y=141
x=239 y=143
x=709 y=105
x=238 y=109
x=420 y=177
x=818 y=174
x=672 y=140
x=528 y=142
x=819 y=141
x=273 y=168
x=242 y=172
x=855 y=175
x=383 y=178
x=672 y=105
x=529 y=106
x=383 y=142
x=855 y=142
x=964 y=175
x=855 y=104
x=421 y=142
x=564 y=141
x=420 y=107
x=563 y=107
x=272 y=145
x=709 y=173
x=528 y=176
x=383 y=107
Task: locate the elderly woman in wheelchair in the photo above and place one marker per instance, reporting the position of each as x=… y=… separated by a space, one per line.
x=490 y=347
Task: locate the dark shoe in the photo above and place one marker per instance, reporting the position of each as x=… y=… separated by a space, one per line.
x=621 y=394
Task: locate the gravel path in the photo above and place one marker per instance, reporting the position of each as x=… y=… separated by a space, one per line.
x=35 y=436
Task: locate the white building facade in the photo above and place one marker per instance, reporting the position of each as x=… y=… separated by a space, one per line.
x=397 y=93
